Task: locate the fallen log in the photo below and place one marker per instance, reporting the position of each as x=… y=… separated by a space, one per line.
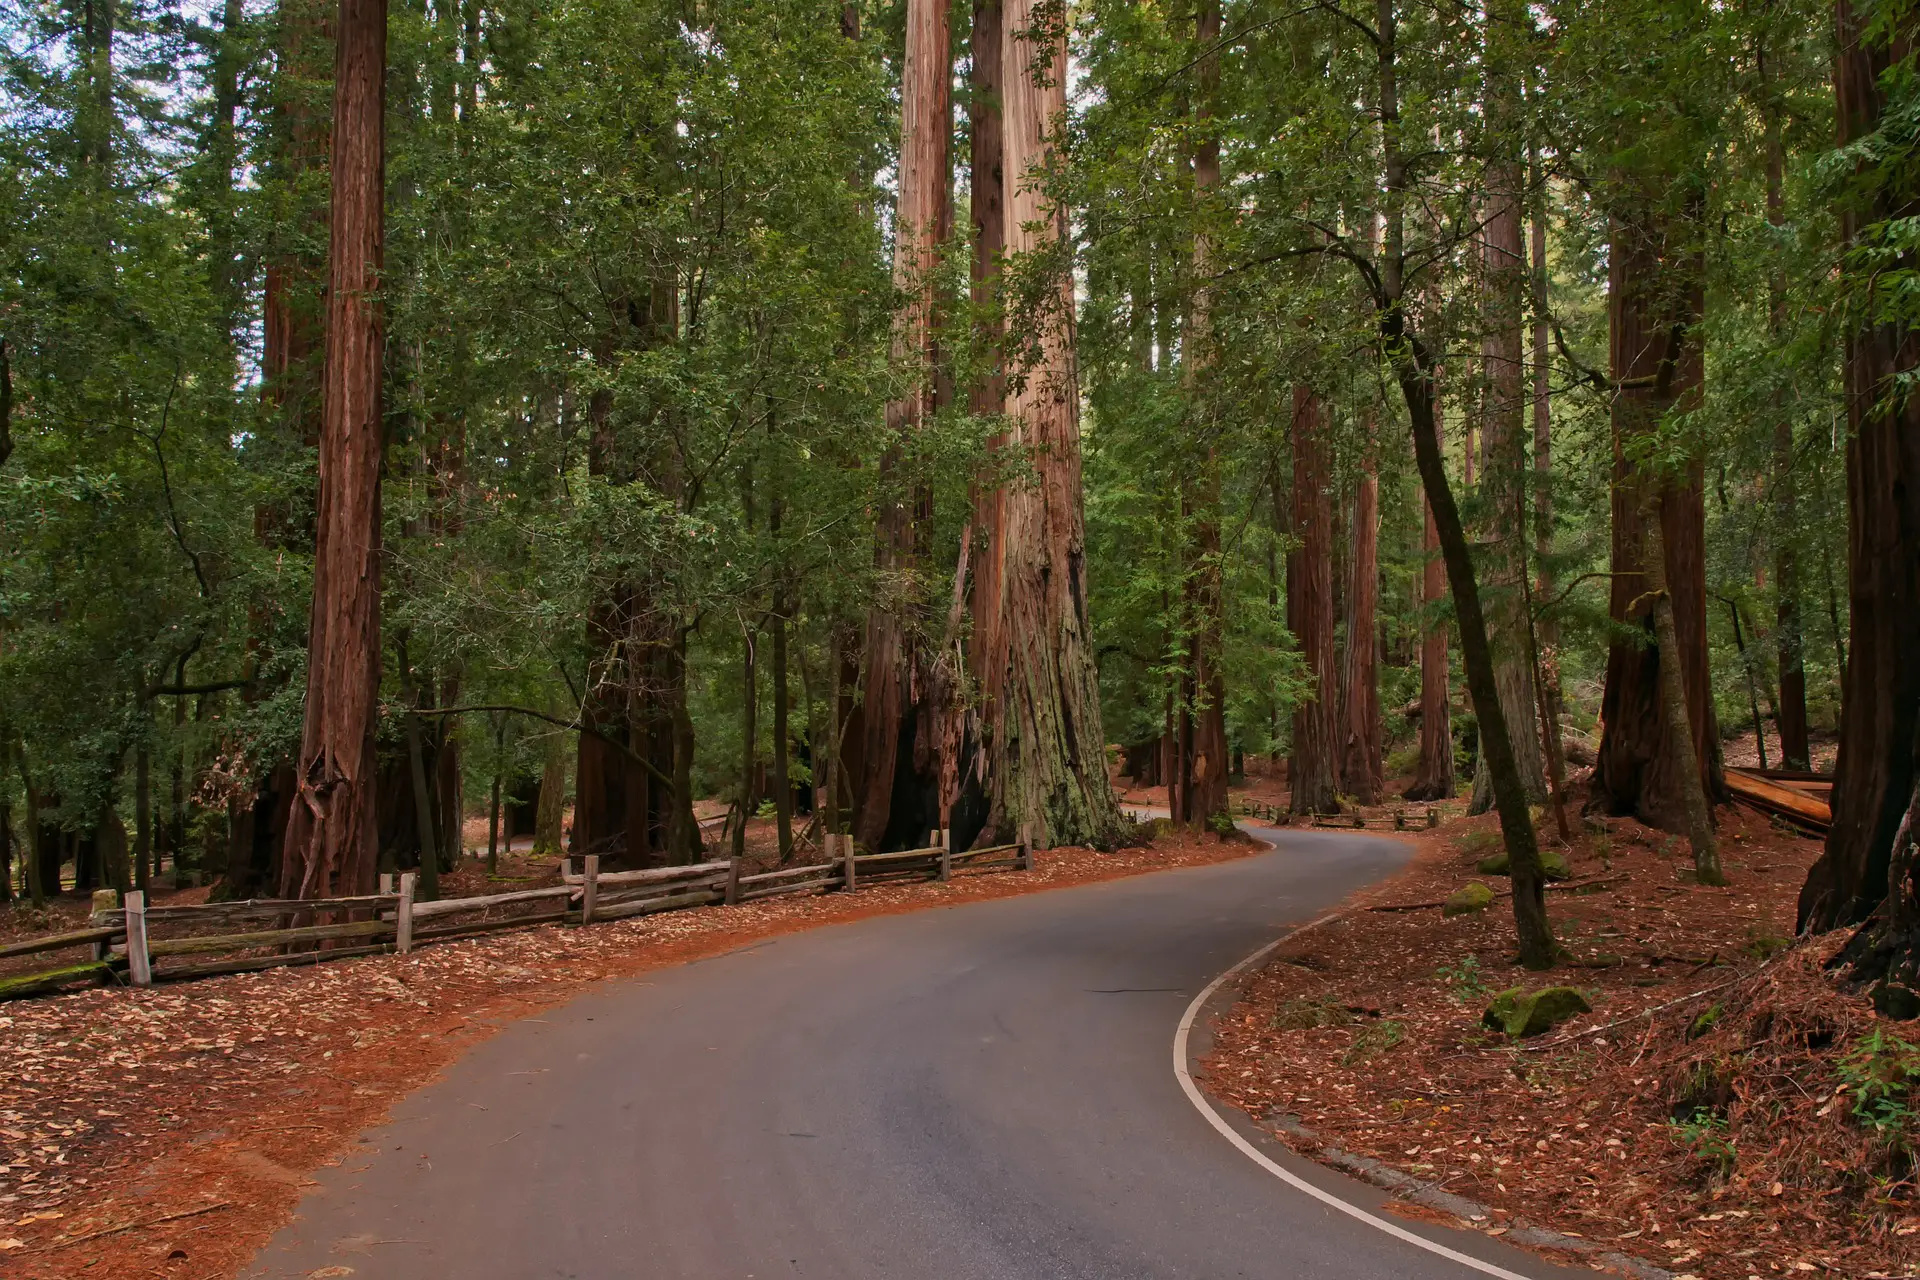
x=1780 y=800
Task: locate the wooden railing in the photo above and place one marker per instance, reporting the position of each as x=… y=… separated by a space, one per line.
x=122 y=942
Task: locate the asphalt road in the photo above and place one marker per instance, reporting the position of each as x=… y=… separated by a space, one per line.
x=982 y=1091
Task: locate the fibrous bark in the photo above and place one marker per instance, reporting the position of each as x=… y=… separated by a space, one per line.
x=899 y=792
x=1869 y=867
x=332 y=834
x=1046 y=751
x=1361 y=767
x=1200 y=795
x=1433 y=776
x=1655 y=297
x=1312 y=770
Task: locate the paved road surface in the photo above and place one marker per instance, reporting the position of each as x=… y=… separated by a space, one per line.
x=971 y=1093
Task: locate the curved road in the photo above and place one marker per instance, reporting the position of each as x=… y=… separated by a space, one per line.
x=982 y=1092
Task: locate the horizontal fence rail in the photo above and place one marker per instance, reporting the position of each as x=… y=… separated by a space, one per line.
x=123 y=946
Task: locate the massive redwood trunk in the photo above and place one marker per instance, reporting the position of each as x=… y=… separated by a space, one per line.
x=1199 y=794
x=1655 y=294
x=1869 y=866
x=1360 y=752
x=1312 y=769
x=1046 y=751
x=899 y=792
x=333 y=831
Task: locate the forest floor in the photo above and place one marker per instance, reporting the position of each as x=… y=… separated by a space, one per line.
x=169 y=1131
x=1724 y=1111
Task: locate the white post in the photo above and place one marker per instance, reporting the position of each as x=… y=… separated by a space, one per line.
x=139 y=963
x=386 y=882
x=403 y=918
x=946 y=855
x=1026 y=848
x=846 y=852
x=589 y=886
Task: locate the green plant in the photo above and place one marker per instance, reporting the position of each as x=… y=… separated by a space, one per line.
x=1464 y=981
x=1375 y=1040
x=1880 y=1071
x=1704 y=1133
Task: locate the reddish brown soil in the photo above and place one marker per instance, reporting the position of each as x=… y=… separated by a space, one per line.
x=167 y=1132
x=1723 y=1148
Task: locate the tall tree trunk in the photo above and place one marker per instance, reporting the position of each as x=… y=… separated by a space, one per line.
x=332 y=837
x=1413 y=367
x=1312 y=772
x=1673 y=704
x=1502 y=424
x=1433 y=776
x=896 y=795
x=777 y=627
x=1547 y=626
x=1203 y=761
x=1654 y=301
x=418 y=774
x=1867 y=868
x=493 y=799
x=1791 y=720
x=1360 y=763
x=1046 y=749
x=749 y=740
x=549 y=817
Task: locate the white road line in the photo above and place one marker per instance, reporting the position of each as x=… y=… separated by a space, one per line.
x=1254 y=1154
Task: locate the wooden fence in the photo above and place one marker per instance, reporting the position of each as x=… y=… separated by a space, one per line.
x=123 y=939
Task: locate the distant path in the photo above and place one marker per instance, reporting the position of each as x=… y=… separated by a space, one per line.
x=973 y=1093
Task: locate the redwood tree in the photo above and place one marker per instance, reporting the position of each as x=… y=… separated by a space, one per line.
x=1433 y=776
x=332 y=834
x=899 y=791
x=1047 y=753
x=1655 y=295
x=1870 y=867
x=1312 y=770
x=1360 y=761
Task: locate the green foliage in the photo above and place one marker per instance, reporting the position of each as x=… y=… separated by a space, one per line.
x=1879 y=1073
x=1465 y=980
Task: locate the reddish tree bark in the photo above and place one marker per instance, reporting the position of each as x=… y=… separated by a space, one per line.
x=899 y=792
x=1869 y=866
x=1046 y=751
x=1655 y=294
x=1312 y=770
x=333 y=831
x=1503 y=465
x=1360 y=755
x=1201 y=793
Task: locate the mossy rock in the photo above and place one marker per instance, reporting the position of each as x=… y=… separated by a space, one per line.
x=1706 y=1022
x=1527 y=1013
x=1467 y=899
x=1553 y=860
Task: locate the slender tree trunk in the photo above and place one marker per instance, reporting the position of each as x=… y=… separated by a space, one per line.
x=1047 y=750
x=1868 y=868
x=1204 y=764
x=549 y=816
x=1502 y=423
x=749 y=740
x=777 y=627
x=422 y=790
x=1361 y=764
x=1791 y=720
x=1312 y=771
x=493 y=800
x=1753 y=688
x=1433 y=777
x=1547 y=626
x=1655 y=298
x=143 y=868
x=332 y=837
x=1413 y=370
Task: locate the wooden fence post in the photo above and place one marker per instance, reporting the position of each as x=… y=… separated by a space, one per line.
x=733 y=881
x=589 y=886
x=139 y=963
x=386 y=882
x=846 y=851
x=946 y=853
x=403 y=918
x=1026 y=848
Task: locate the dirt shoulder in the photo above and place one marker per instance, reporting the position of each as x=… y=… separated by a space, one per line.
x=1716 y=1113
x=168 y=1131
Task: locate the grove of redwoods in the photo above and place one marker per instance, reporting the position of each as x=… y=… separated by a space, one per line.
x=880 y=413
